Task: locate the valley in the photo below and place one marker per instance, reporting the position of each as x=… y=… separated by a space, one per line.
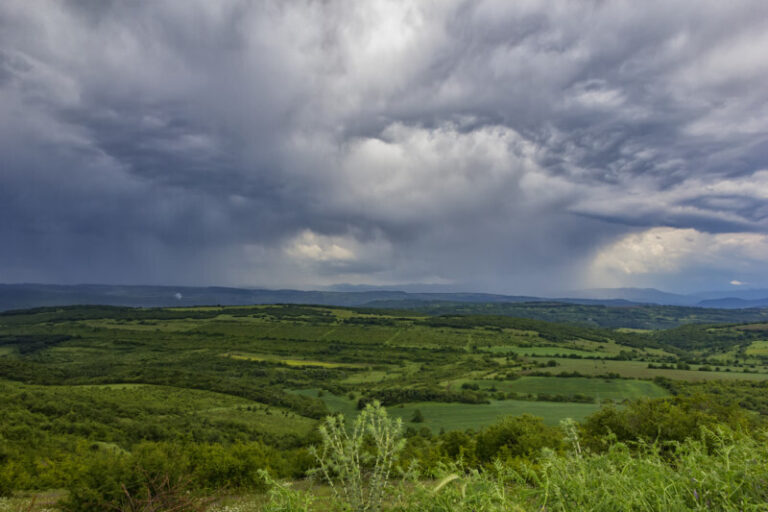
x=80 y=384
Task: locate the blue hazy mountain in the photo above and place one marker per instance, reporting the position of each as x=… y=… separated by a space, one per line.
x=741 y=298
x=734 y=303
x=19 y=296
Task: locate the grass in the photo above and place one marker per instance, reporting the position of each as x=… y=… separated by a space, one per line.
x=615 y=389
x=336 y=404
x=454 y=416
x=541 y=351
x=640 y=370
x=32 y=502
x=725 y=476
x=371 y=376
x=758 y=348
x=136 y=325
x=458 y=416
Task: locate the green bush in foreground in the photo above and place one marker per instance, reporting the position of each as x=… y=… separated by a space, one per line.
x=159 y=472
x=721 y=469
x=730 y=475
x=671 y=454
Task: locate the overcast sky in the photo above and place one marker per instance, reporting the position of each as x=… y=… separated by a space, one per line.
x=505 y=146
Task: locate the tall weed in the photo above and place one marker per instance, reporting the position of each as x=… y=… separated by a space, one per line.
x=357 y=464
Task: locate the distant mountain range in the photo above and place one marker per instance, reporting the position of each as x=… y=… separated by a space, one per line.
x=20 y=296
x=733 y=303
x=729 y=299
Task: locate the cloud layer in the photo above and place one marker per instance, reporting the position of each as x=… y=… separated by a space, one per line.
x=525 y=147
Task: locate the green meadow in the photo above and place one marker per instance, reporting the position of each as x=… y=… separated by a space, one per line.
x=614 y=389
x=456 y=416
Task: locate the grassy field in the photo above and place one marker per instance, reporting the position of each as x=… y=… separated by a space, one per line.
x=438 y=416
x=453 y=416
x=249 y=356
x=544 y=351
x=614 y=389
x=336 y=404
x=758 y=348
x=640 y=370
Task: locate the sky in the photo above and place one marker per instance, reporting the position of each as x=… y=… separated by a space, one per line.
x=510 y=147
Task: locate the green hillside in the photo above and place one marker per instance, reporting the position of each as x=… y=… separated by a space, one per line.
x=227 y=391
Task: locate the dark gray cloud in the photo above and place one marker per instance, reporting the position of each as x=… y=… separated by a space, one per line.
x=520 y=147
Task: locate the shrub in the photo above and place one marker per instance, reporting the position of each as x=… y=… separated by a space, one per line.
x=521 y=436
x=666 y=419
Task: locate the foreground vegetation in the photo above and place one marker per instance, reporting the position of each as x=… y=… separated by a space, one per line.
x=720 y=469
x=142 y=409
x=517 y=464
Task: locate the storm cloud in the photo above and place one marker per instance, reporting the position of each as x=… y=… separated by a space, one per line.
x=519 y=147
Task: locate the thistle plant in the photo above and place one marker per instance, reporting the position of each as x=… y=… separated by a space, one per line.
x=357 y=464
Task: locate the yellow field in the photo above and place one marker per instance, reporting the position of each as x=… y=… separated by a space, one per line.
x=289 y=362
x=758 y=348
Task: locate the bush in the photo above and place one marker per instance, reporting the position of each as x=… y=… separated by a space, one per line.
x=521 y=436
x=658 y=420
x=156 y=472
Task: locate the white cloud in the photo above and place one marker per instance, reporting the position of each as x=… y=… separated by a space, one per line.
x=667 y=251
x=415 y=174
x=494 y=143
x=310 y=246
